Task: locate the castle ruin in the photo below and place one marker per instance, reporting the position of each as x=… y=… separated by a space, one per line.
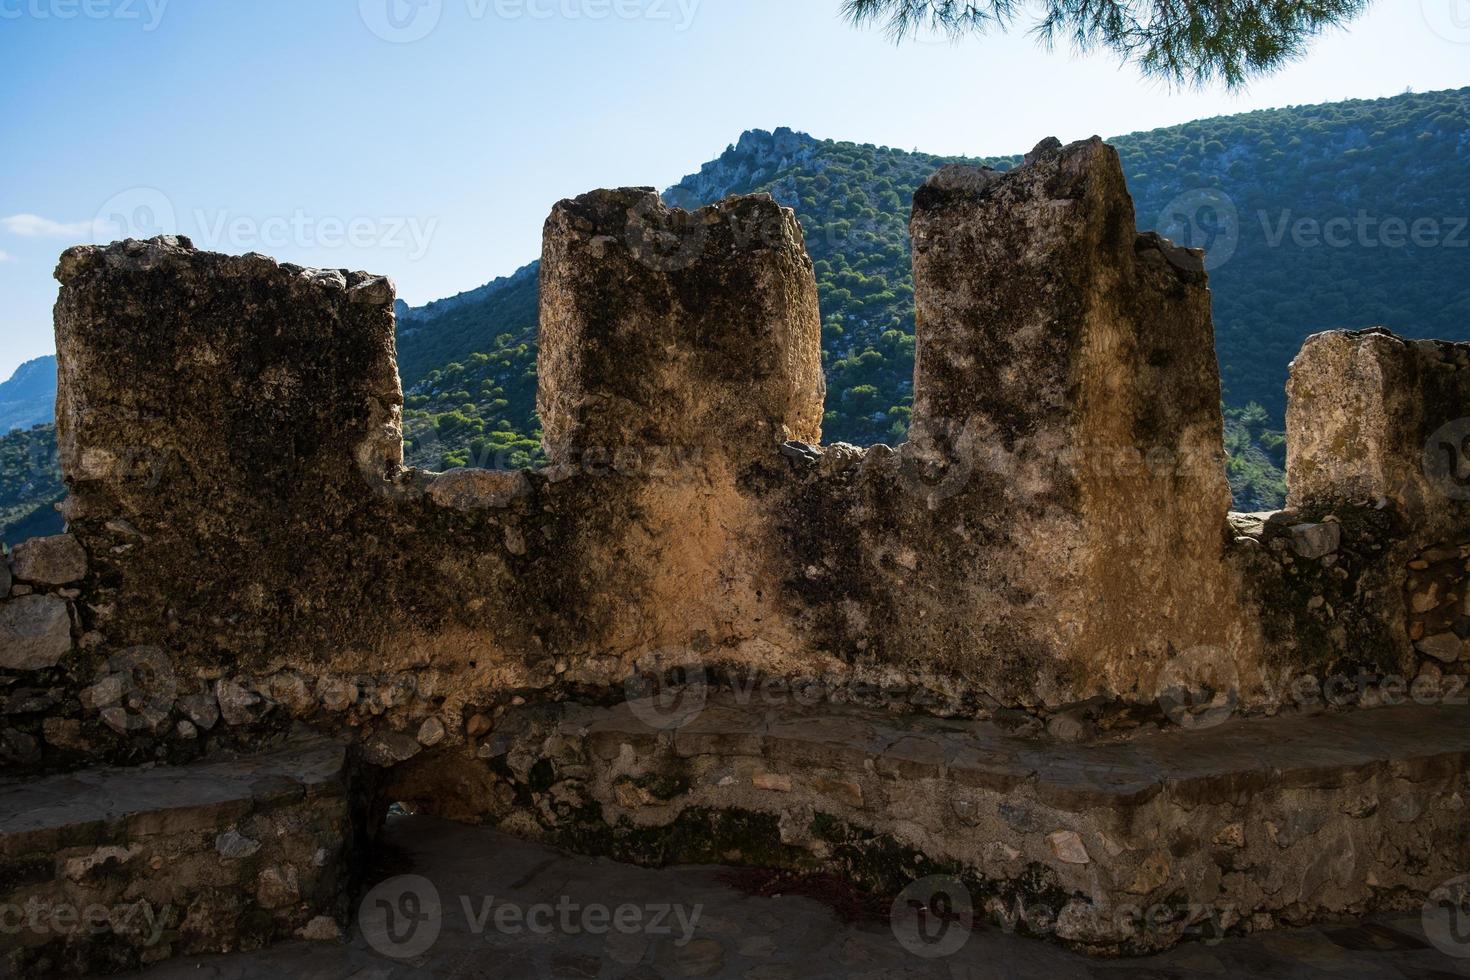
x=1031 y=647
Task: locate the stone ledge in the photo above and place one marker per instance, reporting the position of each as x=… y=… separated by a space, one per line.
x=1289 y=820
x=224 y=854
x=1255 y=754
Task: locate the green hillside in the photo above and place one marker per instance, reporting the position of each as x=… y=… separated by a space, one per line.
x=30 y=482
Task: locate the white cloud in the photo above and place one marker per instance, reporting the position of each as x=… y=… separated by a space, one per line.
x=6 y=256
x=35 y=226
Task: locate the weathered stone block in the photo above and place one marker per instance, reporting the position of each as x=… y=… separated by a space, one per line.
x=1372 y=417
x=1065 y=364
x=224 y=422
x=35 y=632
x=55 y=560
x=687 y=332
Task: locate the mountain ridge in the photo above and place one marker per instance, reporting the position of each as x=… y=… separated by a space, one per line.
x=468 y=361
x=28 y=397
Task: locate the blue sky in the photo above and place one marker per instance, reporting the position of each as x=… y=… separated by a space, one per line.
x=428 y=139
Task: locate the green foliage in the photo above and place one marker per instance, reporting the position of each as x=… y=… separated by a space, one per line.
x=30 y=482
x=1185 y=43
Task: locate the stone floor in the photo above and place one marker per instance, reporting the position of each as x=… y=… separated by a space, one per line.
x=535 y=912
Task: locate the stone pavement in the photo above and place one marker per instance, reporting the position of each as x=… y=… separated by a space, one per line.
x=533 y=911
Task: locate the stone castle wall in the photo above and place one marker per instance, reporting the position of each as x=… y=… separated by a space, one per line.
x=246 y=552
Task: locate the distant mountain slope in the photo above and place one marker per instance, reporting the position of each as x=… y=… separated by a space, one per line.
x=29 y=397
x=431 y=336
x=30 y=482
x=1349 y=214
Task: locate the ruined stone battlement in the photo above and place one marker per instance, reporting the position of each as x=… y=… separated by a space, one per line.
x=1051 y=551
x=1055 y=530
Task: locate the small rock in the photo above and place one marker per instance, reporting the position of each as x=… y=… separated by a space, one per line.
x=1000 y=852
x=116 y=718
x=771 y=781
x=389 y=747
x=471 y=490
x=1153 y=873
x=337 y=693
x=290 y=689
x=232 y=845
x=1019 y=817
x=64 y=733
x=478 y=725
x=1445 y=647
x=277 y=888
x=56 y=560
x=801 y=452
x=843 y=790
x=1424 y=601
x=1067 y=846
x=1231 y=836
x=1069 y=727
x=1316 y=540
x=235 y=701
x=35 y=632
x=186 y=729
x=630 y=795
x=77 y=868
x=202 y=709
x=106 y=692
x=515 y=541
x=5 y=579
x=322 y=929
x=431 y=732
